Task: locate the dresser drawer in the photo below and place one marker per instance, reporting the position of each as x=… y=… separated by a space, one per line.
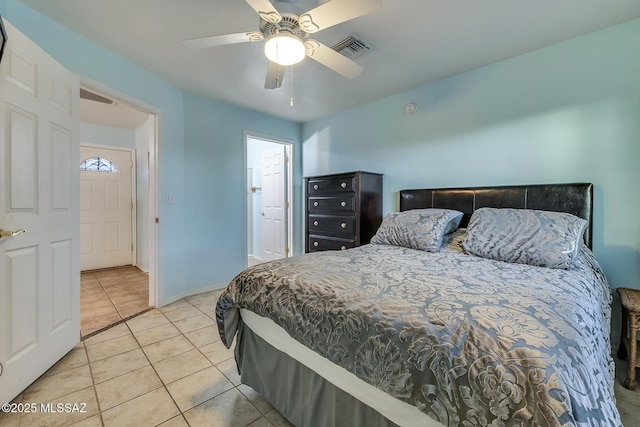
x=321 y=186
x=344 y=203
x=323 y=243
x=342 y=226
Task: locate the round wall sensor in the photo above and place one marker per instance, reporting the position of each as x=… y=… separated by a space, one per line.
x=410 y=108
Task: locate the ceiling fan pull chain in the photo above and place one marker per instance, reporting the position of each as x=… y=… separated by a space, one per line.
x=291 y=83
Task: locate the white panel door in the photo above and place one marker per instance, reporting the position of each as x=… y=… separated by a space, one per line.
x=274 y=197
x=105 y=210
x=39 y=268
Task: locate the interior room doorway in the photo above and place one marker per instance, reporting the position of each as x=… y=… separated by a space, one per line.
x=118 y=233
x=269 y=189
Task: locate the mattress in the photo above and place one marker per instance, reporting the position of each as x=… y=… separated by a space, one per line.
x=461 y=339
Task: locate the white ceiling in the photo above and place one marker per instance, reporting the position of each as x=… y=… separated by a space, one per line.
x=119 y=114
x=415 y=42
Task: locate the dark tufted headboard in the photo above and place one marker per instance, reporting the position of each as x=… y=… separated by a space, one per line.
x=576 y=199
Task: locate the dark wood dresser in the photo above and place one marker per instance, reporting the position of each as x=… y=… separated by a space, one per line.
x=343 y=210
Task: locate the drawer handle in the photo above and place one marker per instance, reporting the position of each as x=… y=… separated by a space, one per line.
x=343 y=204
x=343 y=248
x=315 y=244
x=343 y=185
x=315 y=203
x=315 y=223
x=316 y=186
x=343 y=225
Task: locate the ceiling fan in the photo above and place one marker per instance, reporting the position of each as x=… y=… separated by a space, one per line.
x=286 y=29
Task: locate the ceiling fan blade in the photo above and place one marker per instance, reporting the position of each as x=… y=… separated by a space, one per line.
x=266 y=10
x=275 y=73
x=332 y=59
x=211 y=41
x=335 y=12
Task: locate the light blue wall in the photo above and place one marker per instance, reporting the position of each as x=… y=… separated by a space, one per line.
x=566 y=113
x=214 y=182
x=201 y=234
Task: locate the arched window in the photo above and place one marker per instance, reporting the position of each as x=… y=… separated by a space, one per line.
x=98 y=164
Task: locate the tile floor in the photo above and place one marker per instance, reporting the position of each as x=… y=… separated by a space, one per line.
x=110 y=295
x=168 y=367
x=164 y=367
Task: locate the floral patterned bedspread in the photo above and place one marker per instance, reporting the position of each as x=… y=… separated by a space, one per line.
x=469 y=341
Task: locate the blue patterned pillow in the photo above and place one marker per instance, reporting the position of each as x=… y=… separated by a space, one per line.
x=524 y=236
x=418 y=228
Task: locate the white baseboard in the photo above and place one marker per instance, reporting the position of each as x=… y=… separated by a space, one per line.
x=142 y=268
x=215 y=287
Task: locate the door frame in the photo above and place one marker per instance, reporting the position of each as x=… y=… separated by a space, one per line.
x=134 y=206
x=155 y=143
x=290 y=195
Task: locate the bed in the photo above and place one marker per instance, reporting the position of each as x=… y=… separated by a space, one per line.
x=386 y=334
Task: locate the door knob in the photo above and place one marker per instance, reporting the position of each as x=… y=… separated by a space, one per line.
x=6 y=233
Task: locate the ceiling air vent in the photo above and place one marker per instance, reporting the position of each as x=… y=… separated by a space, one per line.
x=352 y=47
x=85 y=94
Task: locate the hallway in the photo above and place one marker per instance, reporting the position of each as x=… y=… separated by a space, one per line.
x=110 y=295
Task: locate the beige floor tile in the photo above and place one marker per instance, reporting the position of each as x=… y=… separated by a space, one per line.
x=76 y=357
x=109 y=334
x=158 y=333
x=230 y=409
x=261 y=422
x=133 y=274
x=147 y=320
x=111 y=280
x=208 y=308
x=94 y=300
x=154 y=408
x=181 y=303
x=95 y=323
x=199 y=387
x=277 y=419
x=256 y=398
x=211 y=296
x=111 y=348
x=132 y=310
x=192 y=323
x=182 y=313
x=94 y=421
x=120 y=364
x=10 y=419
x=178 y=421
x=75 y=407
x=126 y=387
x=89 y=280
x=93 y=292
x=230 y=370
x=203 y=336
x=125 y=297
x=167 y=348
x=52 y=386
x=180 y=366
x=99 y=311
x=216 y=352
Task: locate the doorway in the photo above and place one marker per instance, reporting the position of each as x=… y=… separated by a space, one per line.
x=269 y=189
x=120 y=280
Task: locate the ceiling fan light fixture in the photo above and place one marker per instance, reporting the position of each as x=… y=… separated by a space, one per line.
x=284 y=49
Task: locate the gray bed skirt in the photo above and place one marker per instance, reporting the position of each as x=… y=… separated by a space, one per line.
x=302 y=396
